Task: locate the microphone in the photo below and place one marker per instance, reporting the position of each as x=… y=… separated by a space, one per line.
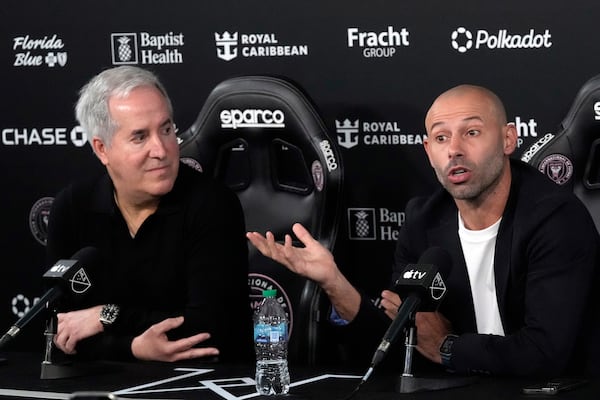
x=67 y=275
x=421 y=287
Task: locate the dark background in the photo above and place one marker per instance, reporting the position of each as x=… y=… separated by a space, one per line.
x=537 y=85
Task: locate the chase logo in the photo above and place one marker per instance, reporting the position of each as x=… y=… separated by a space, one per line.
x=46 y=136
x=124 y=48
x=361 y=224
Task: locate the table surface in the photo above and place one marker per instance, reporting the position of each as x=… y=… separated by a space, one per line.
x=20 y=378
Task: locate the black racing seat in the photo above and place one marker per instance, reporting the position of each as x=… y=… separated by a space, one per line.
x=571 y=157
x=263 y=138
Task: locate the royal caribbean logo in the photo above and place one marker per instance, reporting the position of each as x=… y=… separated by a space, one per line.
x=374 y=224
x=146 y=48
x=463 y=39
x=235 y=44
x=33 y=51
x=351 y=133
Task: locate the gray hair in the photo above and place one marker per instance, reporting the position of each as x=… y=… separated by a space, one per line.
x=92 y=110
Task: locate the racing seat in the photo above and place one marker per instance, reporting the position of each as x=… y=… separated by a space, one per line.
x=571 y=157
x=263 y=138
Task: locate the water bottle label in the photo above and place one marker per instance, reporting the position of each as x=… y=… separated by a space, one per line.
x=265 y=333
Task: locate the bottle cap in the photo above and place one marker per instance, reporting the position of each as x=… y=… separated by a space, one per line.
x=269 y=293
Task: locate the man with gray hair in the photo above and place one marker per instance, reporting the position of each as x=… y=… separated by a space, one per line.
x=173 y=281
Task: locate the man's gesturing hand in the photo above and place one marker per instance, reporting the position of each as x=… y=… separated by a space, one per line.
x=154 y=344
x=312 y=261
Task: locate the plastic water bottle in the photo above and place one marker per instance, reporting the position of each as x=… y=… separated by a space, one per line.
x=270 y=343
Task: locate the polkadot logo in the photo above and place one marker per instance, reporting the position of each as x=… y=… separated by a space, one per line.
x=462 y=39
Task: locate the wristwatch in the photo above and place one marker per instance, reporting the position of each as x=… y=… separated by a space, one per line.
x=109 y=314
x=446 y=350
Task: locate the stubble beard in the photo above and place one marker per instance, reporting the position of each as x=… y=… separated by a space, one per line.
x=477 y=188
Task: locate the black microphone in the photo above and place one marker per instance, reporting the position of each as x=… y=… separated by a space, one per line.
x=66 y=276
x=421 y=287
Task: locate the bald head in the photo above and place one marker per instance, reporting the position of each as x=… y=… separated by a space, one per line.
x=478 y=96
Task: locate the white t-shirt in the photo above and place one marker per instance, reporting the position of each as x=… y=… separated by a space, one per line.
x=479 y=250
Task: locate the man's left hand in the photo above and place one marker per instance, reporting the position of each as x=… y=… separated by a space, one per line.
x=77 y=325
x=432 y=328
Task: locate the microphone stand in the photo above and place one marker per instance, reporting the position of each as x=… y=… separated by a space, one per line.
x=57 y=366
x=407 y=383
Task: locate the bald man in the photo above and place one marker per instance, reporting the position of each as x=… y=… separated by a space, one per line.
x=524 y=253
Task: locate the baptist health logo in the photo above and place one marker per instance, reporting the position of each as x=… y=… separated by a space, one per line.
x=232 y=45
x=374 y=133
x=35 y=52
x=374 y=224
x=463 y=40
x=146 y=48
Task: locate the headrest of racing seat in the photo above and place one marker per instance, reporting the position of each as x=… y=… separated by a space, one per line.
x=571 y=157
x=264 y=139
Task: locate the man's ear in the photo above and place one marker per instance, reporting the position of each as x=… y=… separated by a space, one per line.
x=426 y=147
x=100 y=149
x=510 y=138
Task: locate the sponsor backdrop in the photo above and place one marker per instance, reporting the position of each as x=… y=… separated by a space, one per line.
x=371 y=69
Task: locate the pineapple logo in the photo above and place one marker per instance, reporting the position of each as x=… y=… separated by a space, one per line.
x=124 y=48
x=361 y=223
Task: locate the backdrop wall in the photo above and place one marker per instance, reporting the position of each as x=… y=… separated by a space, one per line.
x=371 y=67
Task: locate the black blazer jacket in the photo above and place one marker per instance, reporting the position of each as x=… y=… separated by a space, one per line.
x=546 y=264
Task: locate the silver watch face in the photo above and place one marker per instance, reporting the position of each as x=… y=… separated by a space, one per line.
x=446 y=347
x=109 y=314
